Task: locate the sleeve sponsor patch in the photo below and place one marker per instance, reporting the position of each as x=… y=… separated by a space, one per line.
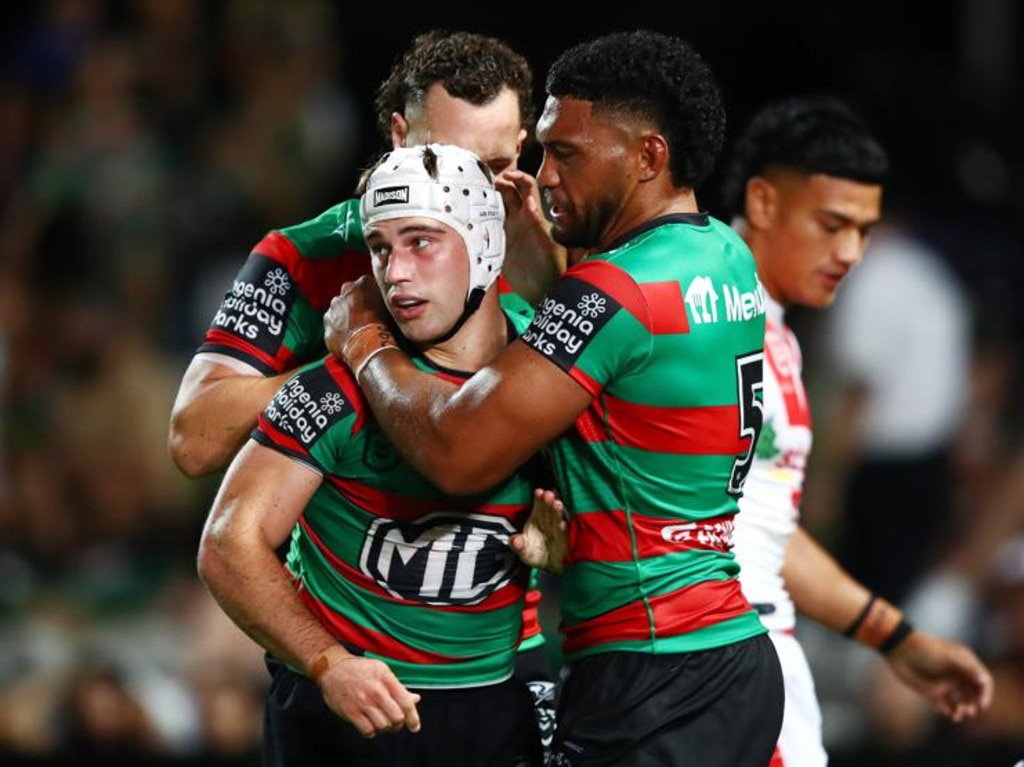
x=568 y=319
x=257 y=306
x=308 y=405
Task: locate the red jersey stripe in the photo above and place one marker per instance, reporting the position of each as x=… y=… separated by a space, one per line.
x=668 y=311
x=531 y=618
x=689 y=609
x=617 y=284
x=590 y=423
x=608 y=536
x=367 y=639
x=279 y=248
x=658 y=306
x=676 y=430
x=282 y=361
x=282 y=439
x=319 y=279
x=355 y=576
x=343 y=377
x=402 y=507
x=783 y=355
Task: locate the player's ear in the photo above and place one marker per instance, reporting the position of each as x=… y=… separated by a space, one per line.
x=399 y=129
x=759 y=201
x=653 y=156
x=520 y=140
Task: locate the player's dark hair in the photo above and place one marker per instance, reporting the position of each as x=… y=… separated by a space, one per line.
x=651 y=76
x=470 y=66
x=806 y=134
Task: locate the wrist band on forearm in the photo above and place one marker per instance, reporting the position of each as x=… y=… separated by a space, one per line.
x=898 y=635
x=880 y=625
x=365 y=344
x=852 y=628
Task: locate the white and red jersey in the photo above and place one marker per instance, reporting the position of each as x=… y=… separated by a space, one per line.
x=769 y=514
x=770 y=506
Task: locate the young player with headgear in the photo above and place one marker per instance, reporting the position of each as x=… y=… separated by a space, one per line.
x=393 y=628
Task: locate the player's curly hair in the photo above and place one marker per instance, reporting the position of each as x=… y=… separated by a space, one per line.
x=810 y=134
x=471 y=66
x=656 y=77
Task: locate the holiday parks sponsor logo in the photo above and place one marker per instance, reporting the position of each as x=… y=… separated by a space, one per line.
x=307 y=405
x=568 y=319
x=257 y=306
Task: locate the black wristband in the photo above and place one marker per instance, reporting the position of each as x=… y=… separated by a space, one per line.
x=860 y=617
x=898 y=635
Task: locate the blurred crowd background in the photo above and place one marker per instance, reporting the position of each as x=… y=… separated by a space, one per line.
x=145 y=145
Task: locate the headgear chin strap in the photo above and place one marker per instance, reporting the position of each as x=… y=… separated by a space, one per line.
x=451 y=185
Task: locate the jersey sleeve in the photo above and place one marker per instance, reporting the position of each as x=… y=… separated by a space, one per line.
x=272 y=316
x=594 y=324
x=514 y=305
x=313 y=414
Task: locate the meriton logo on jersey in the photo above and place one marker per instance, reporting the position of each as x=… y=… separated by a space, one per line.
x=702 y=301
x=443 y=558
x=568 y=319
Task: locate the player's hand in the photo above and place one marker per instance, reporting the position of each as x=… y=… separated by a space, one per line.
x=358 y=303
x=533 y=260
x=544 y=542
x=524 y=213
x=368 y=694
x=948 y=674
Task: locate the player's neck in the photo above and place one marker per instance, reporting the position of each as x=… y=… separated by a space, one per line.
x=645 y=204
x=477 y=342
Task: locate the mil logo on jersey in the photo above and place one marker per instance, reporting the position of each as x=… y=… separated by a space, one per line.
x=442 y=558
x=570 y=317
x=308 y=405
x=257 y=305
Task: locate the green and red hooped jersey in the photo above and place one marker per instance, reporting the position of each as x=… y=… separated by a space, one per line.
x=394 y=568
x=666 y=332
x=272 y=317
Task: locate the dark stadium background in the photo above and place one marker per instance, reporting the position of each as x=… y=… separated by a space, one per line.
x=942 y=82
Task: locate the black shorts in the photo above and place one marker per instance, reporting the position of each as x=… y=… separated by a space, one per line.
x=467 y=727
x=714 y=708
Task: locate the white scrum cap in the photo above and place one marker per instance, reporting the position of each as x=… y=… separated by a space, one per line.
x=448 y=184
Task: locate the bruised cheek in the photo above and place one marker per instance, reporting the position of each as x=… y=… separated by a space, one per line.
x=453 y=275
x=447 y=285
